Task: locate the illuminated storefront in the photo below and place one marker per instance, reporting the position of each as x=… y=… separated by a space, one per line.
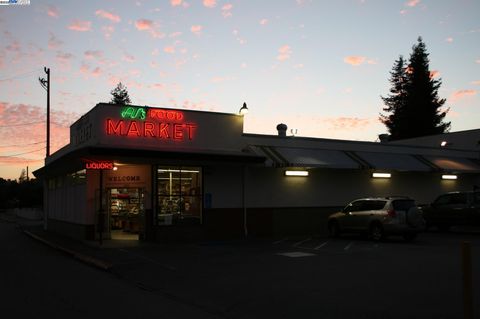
x=161 y=174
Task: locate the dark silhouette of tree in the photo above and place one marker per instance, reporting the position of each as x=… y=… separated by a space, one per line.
x=413 y=102
x=396 y=100
x=120 y=95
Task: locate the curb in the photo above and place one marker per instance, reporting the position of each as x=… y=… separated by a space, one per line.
x=100 y=264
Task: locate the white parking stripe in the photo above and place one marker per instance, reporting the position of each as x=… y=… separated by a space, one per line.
x=321 y=245
x=301 y=242
x=280 y=241
x=348 y=246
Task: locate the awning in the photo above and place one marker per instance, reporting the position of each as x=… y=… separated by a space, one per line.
x=389 y=161
x=305 y=157
x=454 y=164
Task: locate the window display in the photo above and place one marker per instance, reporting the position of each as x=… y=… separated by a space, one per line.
x=179 y=195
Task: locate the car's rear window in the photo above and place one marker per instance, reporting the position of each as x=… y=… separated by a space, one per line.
x=403 y=204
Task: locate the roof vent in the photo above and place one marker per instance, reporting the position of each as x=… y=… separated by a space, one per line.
x=282 y=129
x=384 y=138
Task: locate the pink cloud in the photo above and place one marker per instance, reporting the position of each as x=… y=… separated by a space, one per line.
x=477 y=61
x=93 y=54
x=144 y=24
x=150 y=27
x=108 y=15
x=412 y=3
x=81 y=26
x=343 y=123
x=227 y=10
x=64 y=58
x=169 y=49
x=263 y=21
x=128 y=58
x=434 y=74
x=210 y=3
x=284 y=53
x=354 y=60
x=175 y=3
x=460 y=94
x=449 y=39
x=196 y=29
x=475 y=82
x=54 y=42
x=35 y=130
x=52 y=11
x=175 y=34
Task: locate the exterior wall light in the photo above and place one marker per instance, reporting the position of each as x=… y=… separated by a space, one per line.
x=296 y=173
x=443 y=143
x=115 y=168
x=449 y=177
x=244 y=109
x=381 y=175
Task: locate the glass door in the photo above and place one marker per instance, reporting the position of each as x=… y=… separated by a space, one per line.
x=126 y=206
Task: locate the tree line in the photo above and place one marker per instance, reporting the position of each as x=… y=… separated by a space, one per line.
x=19 y=194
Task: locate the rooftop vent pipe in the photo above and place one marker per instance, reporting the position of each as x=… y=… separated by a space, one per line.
x=282 y=130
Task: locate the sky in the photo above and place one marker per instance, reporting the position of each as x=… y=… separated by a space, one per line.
x=319 y=66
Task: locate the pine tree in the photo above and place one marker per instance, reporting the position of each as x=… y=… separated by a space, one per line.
x=396 y=100
x=120 y=95
x=414 y=103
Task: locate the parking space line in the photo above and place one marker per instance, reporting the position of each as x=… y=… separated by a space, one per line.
x=321 y=245
x=348 y=246
x=301 y=242
x=280 y=241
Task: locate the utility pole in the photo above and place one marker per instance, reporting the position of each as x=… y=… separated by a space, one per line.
x=46 y=85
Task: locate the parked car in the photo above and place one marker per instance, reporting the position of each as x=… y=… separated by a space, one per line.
x=453 y=209
x=378 y=217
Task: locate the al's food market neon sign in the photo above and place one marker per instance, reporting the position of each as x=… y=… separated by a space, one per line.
x=151 y=123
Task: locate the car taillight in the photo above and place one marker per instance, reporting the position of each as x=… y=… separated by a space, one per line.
x=392 y=213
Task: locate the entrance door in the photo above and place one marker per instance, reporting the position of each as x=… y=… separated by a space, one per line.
x=125 y=212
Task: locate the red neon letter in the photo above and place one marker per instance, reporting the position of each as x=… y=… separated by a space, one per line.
x=115 y=128
x=177 y=131
x=133 y=129
x=190 y=128
x=148 y=129
x=164 y=130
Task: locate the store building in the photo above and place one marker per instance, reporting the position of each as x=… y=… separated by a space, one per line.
x=167 y=174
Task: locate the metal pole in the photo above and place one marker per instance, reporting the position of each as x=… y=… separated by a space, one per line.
x=47 y=70
x=467 y=280
x=244 y=198
x=101 y=215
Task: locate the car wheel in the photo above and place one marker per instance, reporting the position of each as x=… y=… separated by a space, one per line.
x=376 y=232
x=333 y=229
x=409 y=236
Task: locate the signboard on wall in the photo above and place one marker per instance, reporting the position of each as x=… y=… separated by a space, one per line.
x=151 y=123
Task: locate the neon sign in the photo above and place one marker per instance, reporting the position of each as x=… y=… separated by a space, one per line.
x=99 y=165
x=134 y=113
x=151 y=123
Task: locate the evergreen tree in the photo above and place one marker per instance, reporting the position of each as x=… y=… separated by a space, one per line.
x=396 y=100
x=414 y=103
x=120 y=95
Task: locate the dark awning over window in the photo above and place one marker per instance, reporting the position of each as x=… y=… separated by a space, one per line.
x=390 y=161
x=454 y=163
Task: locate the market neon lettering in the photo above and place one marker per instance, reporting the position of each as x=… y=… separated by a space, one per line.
x=174 y=131
x=99 y=165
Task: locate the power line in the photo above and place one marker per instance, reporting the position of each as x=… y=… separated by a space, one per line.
x=19 y=75
x=17 y=145
x=40 y=149
x=31 y=123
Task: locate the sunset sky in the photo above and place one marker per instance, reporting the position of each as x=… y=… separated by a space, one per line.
x=319 y=66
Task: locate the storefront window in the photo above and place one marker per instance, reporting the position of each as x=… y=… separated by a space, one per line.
x=179 y=195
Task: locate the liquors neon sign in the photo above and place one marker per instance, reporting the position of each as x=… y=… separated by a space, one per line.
x=151 y=123
x=99 y=165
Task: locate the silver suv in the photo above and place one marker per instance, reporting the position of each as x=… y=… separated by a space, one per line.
x=378 y=217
